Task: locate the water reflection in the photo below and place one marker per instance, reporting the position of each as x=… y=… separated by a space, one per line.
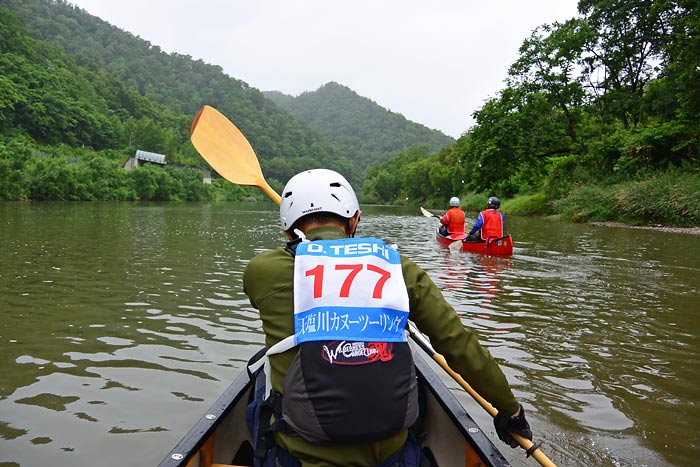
x=122 y=323
x=577 y=320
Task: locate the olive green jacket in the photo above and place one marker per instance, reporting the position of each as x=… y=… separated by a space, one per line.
x=268 y=282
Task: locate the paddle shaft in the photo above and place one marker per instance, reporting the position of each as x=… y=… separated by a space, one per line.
x=228 y=152
x=423 y=343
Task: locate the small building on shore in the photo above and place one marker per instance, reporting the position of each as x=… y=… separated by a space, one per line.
x=144 y=157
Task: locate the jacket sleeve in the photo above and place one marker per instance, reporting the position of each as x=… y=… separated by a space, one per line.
x=436 y=318
x=478 y=224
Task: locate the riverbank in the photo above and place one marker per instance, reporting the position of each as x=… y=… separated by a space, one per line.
x=661 y=228
x=668 y=202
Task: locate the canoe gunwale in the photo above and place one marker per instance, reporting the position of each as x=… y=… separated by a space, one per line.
x=446 y=240
x=470 y=430
x=502 y=246
x=190 y=445
x=206 y=425
x=483 y=247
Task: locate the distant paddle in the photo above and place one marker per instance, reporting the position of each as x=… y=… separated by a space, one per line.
x=427 y=213
x=228 y=152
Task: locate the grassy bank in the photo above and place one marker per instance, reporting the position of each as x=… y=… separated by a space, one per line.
x=670 y=198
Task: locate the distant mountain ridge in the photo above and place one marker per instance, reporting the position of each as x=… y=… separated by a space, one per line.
x=83 y=82
x=87 y=83
x=358 y=127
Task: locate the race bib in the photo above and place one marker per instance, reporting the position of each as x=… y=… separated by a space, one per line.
x=350 y=289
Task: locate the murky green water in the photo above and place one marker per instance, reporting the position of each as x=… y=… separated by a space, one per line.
x=121 y=323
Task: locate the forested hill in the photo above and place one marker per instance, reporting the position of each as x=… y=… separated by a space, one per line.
x=70 y=78
x=359 y=127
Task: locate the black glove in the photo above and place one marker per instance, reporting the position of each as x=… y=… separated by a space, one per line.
x=505 y=424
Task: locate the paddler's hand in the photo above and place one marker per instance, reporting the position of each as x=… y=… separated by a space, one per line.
x=515 y=423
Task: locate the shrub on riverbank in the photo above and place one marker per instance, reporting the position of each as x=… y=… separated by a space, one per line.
x=527 y=205
x=473 y=202
x=32 y=172
x=671 y=198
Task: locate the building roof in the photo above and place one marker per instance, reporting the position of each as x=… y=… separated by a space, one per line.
x=150 y=157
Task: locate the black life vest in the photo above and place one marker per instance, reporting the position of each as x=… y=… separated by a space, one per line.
x=338 y=390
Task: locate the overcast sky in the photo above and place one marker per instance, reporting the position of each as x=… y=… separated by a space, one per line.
x=433 y=61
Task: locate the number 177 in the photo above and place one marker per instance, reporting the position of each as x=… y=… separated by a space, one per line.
x=353 y=271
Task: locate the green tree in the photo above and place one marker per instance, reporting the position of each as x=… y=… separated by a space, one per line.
x=623 y=54
x=15 y=156
x=548 y=65
x=681 y=73
x=144 y=181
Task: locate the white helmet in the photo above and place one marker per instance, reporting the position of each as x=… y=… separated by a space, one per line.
x=454 y=201
x=317 y=190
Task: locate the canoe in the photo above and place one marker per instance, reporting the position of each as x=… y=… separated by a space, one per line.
x=221 y=437
x=502 y=246
x=447 y=240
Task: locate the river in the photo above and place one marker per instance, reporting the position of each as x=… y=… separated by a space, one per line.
x=121 y=323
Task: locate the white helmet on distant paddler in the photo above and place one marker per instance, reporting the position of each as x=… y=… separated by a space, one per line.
x=317 y=190
x=454 y=201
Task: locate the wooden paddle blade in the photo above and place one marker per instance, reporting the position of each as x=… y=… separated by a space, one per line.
x=427 y=213
x=227 y=150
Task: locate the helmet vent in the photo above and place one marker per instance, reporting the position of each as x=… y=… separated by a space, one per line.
x=333 y=195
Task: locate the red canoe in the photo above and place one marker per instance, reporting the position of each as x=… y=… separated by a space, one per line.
x=502 y=246
x=447 y=240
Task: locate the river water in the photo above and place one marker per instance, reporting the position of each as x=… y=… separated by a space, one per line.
x=121 y=323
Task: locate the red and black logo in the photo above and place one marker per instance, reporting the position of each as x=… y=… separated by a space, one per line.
x=356 y=352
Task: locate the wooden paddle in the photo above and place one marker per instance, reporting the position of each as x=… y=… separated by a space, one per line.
x=424 y=344
x=427 y=213
x=228 y=152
